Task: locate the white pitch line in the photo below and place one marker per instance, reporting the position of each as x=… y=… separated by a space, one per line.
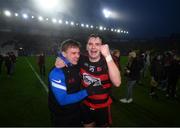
x=41 y=81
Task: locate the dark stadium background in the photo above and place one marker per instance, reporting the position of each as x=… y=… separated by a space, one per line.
x=152 y=25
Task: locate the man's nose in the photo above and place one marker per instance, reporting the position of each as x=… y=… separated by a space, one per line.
x=77 y=55
x=93 y=46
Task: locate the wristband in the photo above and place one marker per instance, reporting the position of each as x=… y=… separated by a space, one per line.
x=108 y=58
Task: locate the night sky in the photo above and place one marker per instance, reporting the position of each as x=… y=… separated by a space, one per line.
x=142 y=18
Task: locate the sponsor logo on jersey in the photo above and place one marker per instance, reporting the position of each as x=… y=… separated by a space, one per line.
x=88 y=79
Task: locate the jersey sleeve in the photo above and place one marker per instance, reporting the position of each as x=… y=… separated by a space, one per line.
x=59 y=89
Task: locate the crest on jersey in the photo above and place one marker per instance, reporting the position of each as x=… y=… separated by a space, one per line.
x=91 y=68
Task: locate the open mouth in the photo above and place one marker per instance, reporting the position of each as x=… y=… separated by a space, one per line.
x=93 y=52
x=75 y=60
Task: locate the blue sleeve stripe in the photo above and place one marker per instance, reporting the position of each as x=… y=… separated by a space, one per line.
x=57 y=81
x=58 y=86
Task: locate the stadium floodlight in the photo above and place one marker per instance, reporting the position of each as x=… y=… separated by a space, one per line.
x=24 y=15
x=124 y=31
x=32 y=17
x=127 y=32
x=87 y=26
x=40 y=18
x=54 y=20
x=112 y=29
x=82 y=25
x=60 y=21
x=111 y=14
x=91 y=26
x=47 y=5
x=77 y=24
x=101 y=28
x=104 y=28
x=7 y=13
x=16 y=14
x=121 y=31
x=72 y=23
x=47 y=19
x=52 y=7
x=106 y=13
x=118 y=30
x=66 y=22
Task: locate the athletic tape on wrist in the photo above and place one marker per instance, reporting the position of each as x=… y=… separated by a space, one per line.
x=108 y=58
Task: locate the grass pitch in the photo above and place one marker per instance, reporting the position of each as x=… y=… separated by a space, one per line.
x=24 y=100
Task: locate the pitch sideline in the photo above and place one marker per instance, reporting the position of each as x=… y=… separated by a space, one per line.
x=39 y=78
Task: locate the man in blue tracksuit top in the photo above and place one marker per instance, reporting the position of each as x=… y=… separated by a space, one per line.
x=64 y=88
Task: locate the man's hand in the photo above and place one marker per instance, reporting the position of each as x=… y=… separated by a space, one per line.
x=105 y=50
x=59 y=63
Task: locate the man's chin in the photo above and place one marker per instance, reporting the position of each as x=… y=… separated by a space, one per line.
x=75 y=63
x=94 y=58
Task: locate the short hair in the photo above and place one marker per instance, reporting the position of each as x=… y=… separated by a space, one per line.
x=96 y=36
x=69 y=43
x=132 y=54
x=115 y=51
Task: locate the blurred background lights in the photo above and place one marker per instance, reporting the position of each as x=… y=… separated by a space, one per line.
x=106 y=13
x=60 y=21
x=7 y=13
x=54 y=20
x=24 y=15
x=100 y=28
x=72 y=23
x=40 y=18
x=67 y=22
x=87 y=26
x=16 y=14
x=47 y=4
x=82 y=25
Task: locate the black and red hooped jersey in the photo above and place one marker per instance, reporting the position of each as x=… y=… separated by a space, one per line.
x=96 y=72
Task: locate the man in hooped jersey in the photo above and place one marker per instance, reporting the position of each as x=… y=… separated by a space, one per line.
x=65 y=93
x=98 y=68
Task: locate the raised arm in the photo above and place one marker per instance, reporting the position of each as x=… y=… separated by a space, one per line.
x=113 y=70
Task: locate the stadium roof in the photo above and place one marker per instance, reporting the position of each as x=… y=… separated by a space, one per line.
x=141 y=18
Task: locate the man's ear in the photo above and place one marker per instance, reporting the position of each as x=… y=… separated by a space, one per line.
x=64 y=54
x=86 y=48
